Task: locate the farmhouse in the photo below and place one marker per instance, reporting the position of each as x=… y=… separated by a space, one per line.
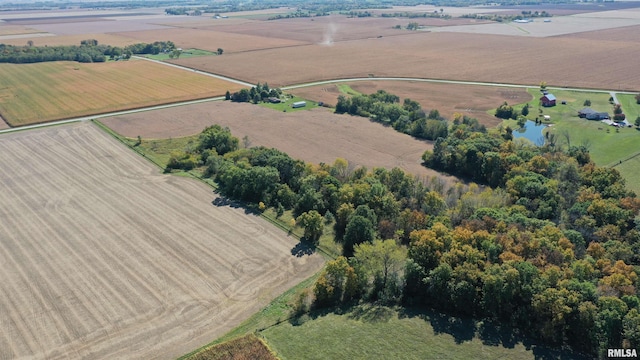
x=274 y=100
x=591 y=114
x=299 y=104
x=548 y=100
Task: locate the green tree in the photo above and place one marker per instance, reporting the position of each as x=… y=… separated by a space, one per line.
x=525 y=110
x=337 y=283
x=587 y=102
x=382 y=262
x=631 y=327
x=220 y=51
x=504 y=111
x=359 y=230
x=312 y=223
x=227 y=95
x=218 y=138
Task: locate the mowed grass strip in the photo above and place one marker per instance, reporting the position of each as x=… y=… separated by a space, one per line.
x=378 y=332
x=35 y=93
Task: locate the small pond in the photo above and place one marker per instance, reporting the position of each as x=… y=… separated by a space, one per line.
x=532 y=132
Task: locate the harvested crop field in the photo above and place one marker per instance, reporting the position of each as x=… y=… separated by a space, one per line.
x=314 y=136
x=452 y=56
x=471 y=100
x=617 y=34
x=323 y=29
x=33 y=93
x=52 y=40
x=209 y=39
x=104 y=257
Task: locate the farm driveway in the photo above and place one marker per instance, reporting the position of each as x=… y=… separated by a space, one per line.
x=103 y=257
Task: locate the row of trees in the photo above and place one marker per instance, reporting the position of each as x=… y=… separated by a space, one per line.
x=258 y=93
x=551 y=248
x=384 y=108
x=88 y=51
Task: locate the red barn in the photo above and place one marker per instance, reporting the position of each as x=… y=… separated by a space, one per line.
x=548 y=100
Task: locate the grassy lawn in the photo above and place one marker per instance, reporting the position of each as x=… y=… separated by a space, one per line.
x=629 y=106
x=346 y=89
x=285 y=105
x=607 y=145
x=376 y=332
x=186 y=53
x=630 y=171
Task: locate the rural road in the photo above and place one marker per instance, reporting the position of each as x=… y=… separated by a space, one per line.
x=289 y=87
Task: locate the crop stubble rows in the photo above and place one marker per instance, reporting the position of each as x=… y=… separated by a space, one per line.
x=54 y=90
x=104 y=257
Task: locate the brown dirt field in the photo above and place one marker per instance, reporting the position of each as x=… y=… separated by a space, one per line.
x=3 y=124
x=314 y=136
x=6 y=30
x=104 y=257
x=488 y=58
x=470 y=100
x=56 y=90
x=109 y=39
x=209 y=39
x=320 y=29
x=57 y=20
x=619 y=34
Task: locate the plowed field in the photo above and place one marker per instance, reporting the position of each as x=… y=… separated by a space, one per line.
x=315 y=136
x=570 y=62
x=471 y=100
x=103 y=257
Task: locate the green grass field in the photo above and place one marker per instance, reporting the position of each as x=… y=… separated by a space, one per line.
x=630 y=171
x=607 y=144
x=186 y=53
x=286 y=103
x=630 y=107
x=377 y=332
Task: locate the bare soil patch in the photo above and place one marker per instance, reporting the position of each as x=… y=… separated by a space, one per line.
x=106 y=258
x=314 y=136
x=208 y=39
x=471 y=100
x=500 y=59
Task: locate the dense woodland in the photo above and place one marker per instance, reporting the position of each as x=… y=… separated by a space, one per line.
x=87 y=52
x=547 y=243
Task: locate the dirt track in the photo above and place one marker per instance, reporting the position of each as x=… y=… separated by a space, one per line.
x=103 y=257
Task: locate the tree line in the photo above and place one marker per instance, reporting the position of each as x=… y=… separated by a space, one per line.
x=256 y=94
x=408 y=118
x=549 y=245
x=88 y=51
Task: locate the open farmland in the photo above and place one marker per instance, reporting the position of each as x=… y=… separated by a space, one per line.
x=210 y=40
x=103 y=257
x=48 y=39
x=471 y=100
x=314 y=136
x=32 y=93
x=453 y=56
